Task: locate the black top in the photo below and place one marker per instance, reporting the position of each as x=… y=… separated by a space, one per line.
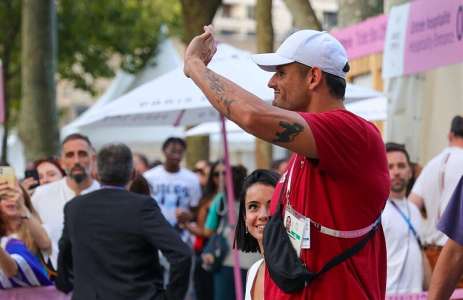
x=110 y=244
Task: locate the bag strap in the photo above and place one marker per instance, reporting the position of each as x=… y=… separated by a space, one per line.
x=409 y=223
x=338 y=259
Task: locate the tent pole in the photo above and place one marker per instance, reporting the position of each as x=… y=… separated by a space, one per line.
x=231 y=213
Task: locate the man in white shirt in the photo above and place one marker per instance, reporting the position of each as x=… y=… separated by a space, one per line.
x=175 y=189
x=435 y=185
x=401 y=222
x=78 y=160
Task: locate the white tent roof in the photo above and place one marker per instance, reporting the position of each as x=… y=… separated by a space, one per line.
x=165 y=60
x=173 y=99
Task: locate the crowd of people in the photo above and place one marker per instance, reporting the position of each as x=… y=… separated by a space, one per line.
x=345 y=217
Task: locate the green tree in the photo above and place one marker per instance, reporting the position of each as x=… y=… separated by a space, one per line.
x=303 y=14
x=94 y=39
x=355 y=11
x=196 y=14
x=10 y=28
x=39 y=127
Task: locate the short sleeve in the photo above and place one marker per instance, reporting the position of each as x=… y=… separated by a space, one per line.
x=423 y=181
x=344 y=142
x=451 y=222
x=195 y=192
x=212 y=220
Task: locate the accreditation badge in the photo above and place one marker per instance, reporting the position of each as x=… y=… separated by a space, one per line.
x=294 y=225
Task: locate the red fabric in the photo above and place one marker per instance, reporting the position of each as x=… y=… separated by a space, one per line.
x=345 y=189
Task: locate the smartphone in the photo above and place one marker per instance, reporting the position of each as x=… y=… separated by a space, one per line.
x=34 y=174
x=8 y=174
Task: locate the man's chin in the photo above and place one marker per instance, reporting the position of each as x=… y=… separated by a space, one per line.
x=79 y=178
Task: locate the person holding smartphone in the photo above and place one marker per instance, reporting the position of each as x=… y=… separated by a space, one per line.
x=24 y=242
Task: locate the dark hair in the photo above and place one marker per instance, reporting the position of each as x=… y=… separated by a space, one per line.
x=140 y=185
x=115 y=164
x=174 y=140
x=143 y=158
x=336 y=85
x=77 y=136
x=239 y=173
x=52 y=161
x=211 y=188
x=456 y=126
x=395 y=147
x=243 y=240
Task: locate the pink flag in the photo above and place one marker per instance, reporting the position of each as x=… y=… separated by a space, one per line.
x=2 y=95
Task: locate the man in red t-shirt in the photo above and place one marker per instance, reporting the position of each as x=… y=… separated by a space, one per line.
x=339 y=178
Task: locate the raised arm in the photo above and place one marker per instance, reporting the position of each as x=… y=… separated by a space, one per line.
x=272 y=124
x=7 y=264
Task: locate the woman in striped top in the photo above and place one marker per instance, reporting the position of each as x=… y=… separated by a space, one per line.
x=23 y=241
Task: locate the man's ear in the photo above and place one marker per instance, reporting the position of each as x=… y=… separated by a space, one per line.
x=315 y=77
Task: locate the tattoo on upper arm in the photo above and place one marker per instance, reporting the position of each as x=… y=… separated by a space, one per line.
x=289 y=133
x=218 y=87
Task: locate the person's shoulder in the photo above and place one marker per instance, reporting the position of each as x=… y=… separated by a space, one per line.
x=49 y=188
x=188 y=174
x=153 y=172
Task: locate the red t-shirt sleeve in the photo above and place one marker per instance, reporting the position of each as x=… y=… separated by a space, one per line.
x=342 y=140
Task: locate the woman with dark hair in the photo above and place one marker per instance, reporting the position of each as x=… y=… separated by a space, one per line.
x=255 y=198
x=203 y=280
x=217 y=222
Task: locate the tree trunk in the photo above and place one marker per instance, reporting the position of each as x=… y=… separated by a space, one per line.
x=38 y=116
x=388 y=4
x=355 y=11
x=4 y=76
x=196 y=14
x=303 y=14
x=264 y=34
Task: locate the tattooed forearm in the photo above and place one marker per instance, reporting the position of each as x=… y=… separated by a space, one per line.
x=218 y=88
x=289 y=133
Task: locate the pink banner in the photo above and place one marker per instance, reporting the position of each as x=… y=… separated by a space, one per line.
x=34 y=293
x=364 y=38
x=457 y=294
x=434 y=35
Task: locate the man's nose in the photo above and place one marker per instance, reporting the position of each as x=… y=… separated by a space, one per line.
x=271 y=83
x=263 y=214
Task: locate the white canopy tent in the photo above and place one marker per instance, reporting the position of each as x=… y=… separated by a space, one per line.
x=175 y=100
x=165 y=60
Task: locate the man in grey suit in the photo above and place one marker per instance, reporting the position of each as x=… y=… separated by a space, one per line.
x=111 y=237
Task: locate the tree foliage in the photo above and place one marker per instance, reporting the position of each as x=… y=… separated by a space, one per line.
x=96 y=37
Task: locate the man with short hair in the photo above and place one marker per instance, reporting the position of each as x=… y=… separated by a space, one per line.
x=78 y=161
x=111 y=239
x=401 y=222
x=337 y=180
x=175 y=189
x=435 y=185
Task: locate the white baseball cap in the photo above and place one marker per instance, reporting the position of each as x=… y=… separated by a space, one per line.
x=309 y=47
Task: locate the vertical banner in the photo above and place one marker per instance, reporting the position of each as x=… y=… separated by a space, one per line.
x=423 y=35
x=2 y=95
x=394 y=48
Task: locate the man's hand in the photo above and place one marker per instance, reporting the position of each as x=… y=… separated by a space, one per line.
x=201 y=48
